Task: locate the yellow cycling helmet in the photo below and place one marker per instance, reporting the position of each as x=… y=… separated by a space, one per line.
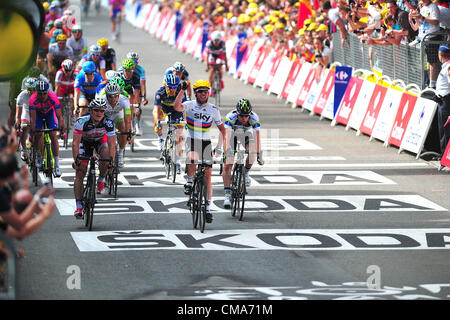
x=46 y=5
x=61 y=37
x=102 y=42
x=201 y=84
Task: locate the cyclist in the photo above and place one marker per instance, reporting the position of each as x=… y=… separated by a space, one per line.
x=23 y=114
x=85 y=86
x=110 y=75
x=44 y=104
x=58 y=24
x=132 y=87
x=242 y=124
x=92 y=131
x=77 y=43
x=216 y=55
x=116 y=8
x=164 y=104
x=180 y=70
x=65 y=80
x=57 y=53
x=140 y=72
x=44 y=44
x=118 y=110
x=108 y=53
x=199 y=117
x=52 y=14
x=95 y=56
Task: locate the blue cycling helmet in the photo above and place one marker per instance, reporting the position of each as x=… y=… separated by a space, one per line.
x=172 y=80
x=42 y=86
x=89 y=66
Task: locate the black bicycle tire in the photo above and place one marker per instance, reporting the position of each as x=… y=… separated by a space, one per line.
x=242 y=192
x=92 y=201
x=67 y=123
x=166 y=155
x=193 y=204
x=86 y=206
x=234 y=188
x=174 y=161
x=48 y=169
x=116 y=175
x=203 y=202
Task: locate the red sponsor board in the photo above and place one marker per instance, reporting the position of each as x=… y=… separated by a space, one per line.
x=258 y=64
x=291 y=78
x=349 y=99
x=325 y=93
x=189 y=36
x=445 y=160
x=375 y=103
x=405 y=109
x=273 y=70
x=306 y=87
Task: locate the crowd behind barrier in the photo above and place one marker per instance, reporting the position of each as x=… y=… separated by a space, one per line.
x=377 y=89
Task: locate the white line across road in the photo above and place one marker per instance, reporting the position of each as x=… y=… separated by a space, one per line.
x=263 y=204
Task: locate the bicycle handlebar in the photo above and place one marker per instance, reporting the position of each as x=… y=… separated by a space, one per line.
x=95 y=157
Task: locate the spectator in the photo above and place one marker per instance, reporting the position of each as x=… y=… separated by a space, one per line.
x=443 y=93
x=426 y=20
x=333 y=15
x=401 y=20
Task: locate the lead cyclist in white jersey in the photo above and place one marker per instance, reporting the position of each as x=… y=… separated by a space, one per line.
x=118 y=110
x=200 y=116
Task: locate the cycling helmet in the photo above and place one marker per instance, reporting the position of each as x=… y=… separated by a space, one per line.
x=67 y=65
x=58 y=23
x=178 y=66
x=102 y=42
x=201 y=84
x=216 y=35
x=42 y=86
x=76 y=27
x=172 y=80
x=56 y=33
x=110 y=74
x=128 y=64
x=67 y=12
x=97 y=103
x=88 y=66
x=112 y=88
x=243 y=107
x=50 y=24
x=30 y=84
x=95 y=49
x=133 y=56
x=119 y=81
x=61 y=37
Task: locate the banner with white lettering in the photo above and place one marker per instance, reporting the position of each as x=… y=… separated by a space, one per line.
x=315 y=89
x=261 y=56
x=404 y=112
x=419 y=125
x=281 y=75
x=253 y=57
x=150 y=17
x=342 y=77
x=275 y=64
x=263 y=73
x=325 y=92
x=306 y=85
x=360 y=108
x=290 y=80
x=445 y=160
x=299 y=80
x=348 y=101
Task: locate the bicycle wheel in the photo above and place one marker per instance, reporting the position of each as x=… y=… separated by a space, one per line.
x=91 y=195
x=115 y=176
x=242 y=191
x=234 y=188
x=86 y=204
x=173 y=163
x=67 y=123
x=193 y=206
x=48 y=167
x=202 y=204
x=33 y=168
x=167 y=156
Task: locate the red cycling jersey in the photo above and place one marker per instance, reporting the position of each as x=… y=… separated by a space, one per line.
x=66 y=82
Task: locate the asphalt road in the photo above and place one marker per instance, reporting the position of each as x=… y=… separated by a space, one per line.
x=330 y=216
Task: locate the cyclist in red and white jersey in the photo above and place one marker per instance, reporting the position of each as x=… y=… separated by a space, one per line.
x=216 y=55
x=64 y=81
x=44 y=105
x=116 y=8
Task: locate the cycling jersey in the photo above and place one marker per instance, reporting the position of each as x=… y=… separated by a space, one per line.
x=199 y=119
x=120 y=109
x=117 y=4
x=66 y=82
x=131 y=84
x=91 y=132
x=110 y=58
x=216 y=50
x=77 y=47
x=232 y=122
x=100 y=64
x=87 y=88
x=167 y=102
x=45 y=110
x=60 y=55
x=23 y=100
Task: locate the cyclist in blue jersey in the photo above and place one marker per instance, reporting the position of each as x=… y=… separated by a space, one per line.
x=164 y=102
x=85 y=86
x=95 y=56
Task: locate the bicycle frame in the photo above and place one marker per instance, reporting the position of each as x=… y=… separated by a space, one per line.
x=169 y=152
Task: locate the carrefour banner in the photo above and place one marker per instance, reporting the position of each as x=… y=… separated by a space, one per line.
x=342 y=77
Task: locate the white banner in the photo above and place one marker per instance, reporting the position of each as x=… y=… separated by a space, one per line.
x=295 y=89
x=314 y=92
x=265 y=70
x=360 y=108
x=281 y=76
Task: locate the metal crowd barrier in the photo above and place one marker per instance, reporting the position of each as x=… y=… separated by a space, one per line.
x=402 y=62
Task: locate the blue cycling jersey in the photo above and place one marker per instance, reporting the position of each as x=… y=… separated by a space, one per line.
x=87 y=87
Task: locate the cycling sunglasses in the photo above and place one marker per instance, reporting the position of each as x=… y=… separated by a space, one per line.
x=99 y=110
x=89 y=73
x=202 y=91
x=172 y=87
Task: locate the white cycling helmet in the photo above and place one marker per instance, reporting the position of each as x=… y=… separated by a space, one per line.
x=110 y=74
x=216 y=35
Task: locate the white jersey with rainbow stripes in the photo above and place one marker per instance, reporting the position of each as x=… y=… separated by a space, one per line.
x=200 y=119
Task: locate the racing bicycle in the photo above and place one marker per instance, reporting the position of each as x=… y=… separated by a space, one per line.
x=169 y=152
x=90 y=191
x=217 y=84
x=66 y=103
x=48 y=162
x=113 y=174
